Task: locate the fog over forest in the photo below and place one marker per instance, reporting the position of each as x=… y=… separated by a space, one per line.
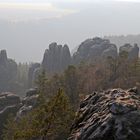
x=27 y=27
x=69 y=69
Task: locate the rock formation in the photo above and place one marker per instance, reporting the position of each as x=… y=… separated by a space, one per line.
x=91 y=50
x=56 y=58
x=108 y=115
x=110 y=52
x=9 y=103
x=12 y=104
x=8 y=71
x=132 y=52
x=28 y=103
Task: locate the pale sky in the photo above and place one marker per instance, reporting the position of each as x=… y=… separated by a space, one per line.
x=22 y=10
x=27 y=27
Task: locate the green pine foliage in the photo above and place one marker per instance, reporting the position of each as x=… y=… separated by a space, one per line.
x=51 y=120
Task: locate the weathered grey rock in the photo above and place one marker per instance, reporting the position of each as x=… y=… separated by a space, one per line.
x=108 y=115
x=28 y=102
x=56 y=58
x=110 y=52
x=8 y=99
x=8 y=71
x=12 y=104
x=91 y=50
x=132 y=52
x=31 y=97
x=9 y=104
x=31 y=92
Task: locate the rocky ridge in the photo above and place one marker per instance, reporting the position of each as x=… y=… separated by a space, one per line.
x=91 y=50
x=57 y=57
x=108 y=115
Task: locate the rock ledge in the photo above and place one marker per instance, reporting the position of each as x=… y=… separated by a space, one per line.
x=108 y=115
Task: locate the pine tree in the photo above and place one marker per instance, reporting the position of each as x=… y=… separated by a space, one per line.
x=49 y=121
x=41 y=85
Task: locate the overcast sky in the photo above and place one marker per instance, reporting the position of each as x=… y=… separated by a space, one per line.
x=27 y=27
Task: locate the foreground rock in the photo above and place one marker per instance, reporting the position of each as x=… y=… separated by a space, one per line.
x=9 y=104
x=28 y=103
x=108 y=115
x=12 y=104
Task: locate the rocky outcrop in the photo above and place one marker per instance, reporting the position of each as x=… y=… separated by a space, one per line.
x=28 y=103
x=8 y=99
x=56 y=58
x=9 y=104
x=110 y=52
x=91 y=50
x=12 y=104
x=108 y=115
x=132 y=52
x=8 y=71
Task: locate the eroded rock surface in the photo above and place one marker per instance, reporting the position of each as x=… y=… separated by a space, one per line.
x=56 y=58
x=8 y=71
x=91 y=50
x=28 y=102
x=9 y=104
x=108 y=115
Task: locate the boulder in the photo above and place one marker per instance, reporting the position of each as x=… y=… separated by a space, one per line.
x=8 y=99
x=28 y=102
x=31 y=92
x=108 y=115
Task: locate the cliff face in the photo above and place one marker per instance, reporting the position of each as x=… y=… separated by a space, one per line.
x=56 y=58
x=108 y=115
x=91 y=50
x=8 y=71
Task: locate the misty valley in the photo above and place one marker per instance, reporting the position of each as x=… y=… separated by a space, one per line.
x=69 y=69
x=92 y=94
